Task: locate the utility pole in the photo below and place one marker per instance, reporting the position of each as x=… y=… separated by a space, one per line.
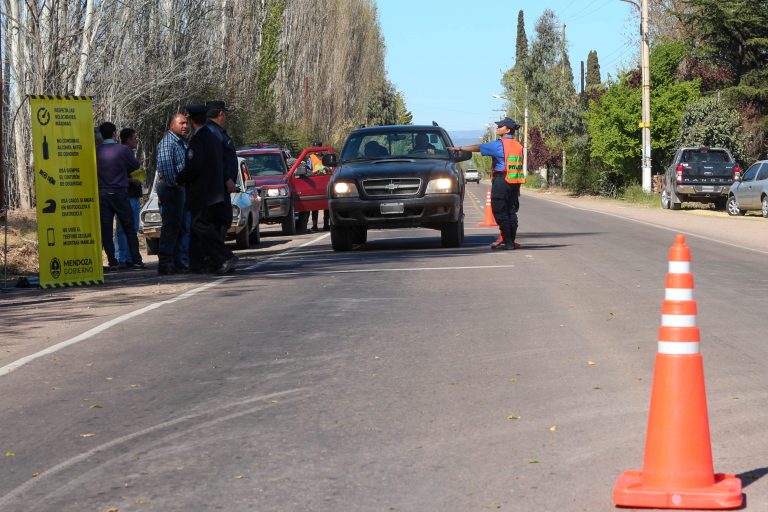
x=562 y=60
x=645 y=68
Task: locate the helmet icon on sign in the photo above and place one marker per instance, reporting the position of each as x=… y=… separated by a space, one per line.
x=43 y=116
x=55 y=268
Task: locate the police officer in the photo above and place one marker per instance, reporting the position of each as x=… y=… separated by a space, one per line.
x=507 y=154
x=216 y=111
x=207 y=195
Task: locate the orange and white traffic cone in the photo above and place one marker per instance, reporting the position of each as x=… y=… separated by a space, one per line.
x=488 y=220
x=677 y=467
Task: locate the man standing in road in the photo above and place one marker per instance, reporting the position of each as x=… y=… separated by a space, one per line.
x=507 y=154
x=114 y=162
x=171 y=159
x=206 y=195
x=217 y=120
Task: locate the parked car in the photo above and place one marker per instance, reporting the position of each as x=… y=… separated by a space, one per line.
x=472 y=175
x=750 y=191
x=246 y=207
x=286 y=190
x=701 y=174
x=386 y=178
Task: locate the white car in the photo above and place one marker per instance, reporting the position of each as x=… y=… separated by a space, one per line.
x=472 y=175
x=246 y=205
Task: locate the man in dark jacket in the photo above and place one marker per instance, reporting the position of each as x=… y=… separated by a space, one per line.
x=216 y=111
x=206 y=192
x=114 y=162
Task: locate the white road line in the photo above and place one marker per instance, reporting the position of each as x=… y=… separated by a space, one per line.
x=659 y=226
x=5 y=370
x=371 y=270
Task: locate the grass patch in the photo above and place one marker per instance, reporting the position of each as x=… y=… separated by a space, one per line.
x=634 y=194
x=22 y=243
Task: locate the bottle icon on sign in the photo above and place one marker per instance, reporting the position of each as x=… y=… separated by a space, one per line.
x=45 y=148
x=51 y=237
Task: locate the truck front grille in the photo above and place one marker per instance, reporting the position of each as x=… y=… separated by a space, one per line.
x=392 y=187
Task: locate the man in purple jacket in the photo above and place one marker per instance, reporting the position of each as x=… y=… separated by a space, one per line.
x=114 y=162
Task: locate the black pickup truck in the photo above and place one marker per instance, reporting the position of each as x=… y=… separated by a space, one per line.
x=396 y=177
x=702 y=175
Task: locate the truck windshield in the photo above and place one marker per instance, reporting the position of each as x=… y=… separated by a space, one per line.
x=266 y=164
x=395 y=144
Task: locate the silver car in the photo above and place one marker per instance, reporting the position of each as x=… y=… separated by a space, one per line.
x=246 y=205
x=750 y=191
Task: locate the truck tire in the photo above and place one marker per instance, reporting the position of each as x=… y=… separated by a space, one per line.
x=359 y=235
x=732 y=207
x=289 y=222
x=256 y=235
x=340 y=238
x=153 y=245
x=452 y=233
x=243 y=239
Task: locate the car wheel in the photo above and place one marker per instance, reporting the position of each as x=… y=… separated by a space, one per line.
x=665 y=201
x=340 y=238
x=764 y=209
x=359 y=235
x=243 y=240
x=256 y=235
x=452 y=233
x=732 y=206
x=153 y=245
x=289 y=223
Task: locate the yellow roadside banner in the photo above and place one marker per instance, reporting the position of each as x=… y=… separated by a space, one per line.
x=68 y=227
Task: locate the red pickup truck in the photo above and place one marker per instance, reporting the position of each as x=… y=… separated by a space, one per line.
x=286 y=191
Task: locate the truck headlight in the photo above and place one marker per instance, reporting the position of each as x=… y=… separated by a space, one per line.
x=344 y=189
x=235 y=212
x=441 y=186
x=151 y=217
x=276 y=191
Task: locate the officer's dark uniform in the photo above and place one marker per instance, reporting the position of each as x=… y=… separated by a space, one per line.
x=229 y=158
x=203 y=178
x=505 y=196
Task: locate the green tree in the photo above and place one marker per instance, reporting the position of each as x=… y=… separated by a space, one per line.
x=521 y=48
x=404 y=116
x=709 y=122
x=593 y=70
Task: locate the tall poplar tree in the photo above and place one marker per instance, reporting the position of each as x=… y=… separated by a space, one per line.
x=521 y=50
x=593 y=70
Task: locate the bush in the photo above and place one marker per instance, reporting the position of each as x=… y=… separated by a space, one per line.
x=535 y=181
x=635 y=194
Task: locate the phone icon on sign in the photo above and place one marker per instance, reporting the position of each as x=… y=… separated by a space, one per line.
x=51 y=237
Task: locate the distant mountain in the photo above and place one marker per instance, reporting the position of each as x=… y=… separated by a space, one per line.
x=466 y=137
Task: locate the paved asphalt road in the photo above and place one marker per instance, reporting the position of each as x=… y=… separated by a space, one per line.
x=400 y=376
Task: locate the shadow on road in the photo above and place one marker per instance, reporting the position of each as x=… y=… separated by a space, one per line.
x=753 y=475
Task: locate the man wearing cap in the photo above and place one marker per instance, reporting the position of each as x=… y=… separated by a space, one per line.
x=217 y=119
x=203 y=177
x=507 y=154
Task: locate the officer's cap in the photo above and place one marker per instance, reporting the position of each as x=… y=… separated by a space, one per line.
x=216 y=105
x=196 y=109
x=509 y=123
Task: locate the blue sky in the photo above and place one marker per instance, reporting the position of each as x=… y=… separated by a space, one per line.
x=447 y=56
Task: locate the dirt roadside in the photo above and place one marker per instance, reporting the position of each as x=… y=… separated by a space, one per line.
x=32 y=319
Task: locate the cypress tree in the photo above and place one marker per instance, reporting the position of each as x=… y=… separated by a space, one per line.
x=521 y=50
x=593 y=70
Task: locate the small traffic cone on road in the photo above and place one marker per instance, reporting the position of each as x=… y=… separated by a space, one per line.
x=677 y=467
x=488 y=220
